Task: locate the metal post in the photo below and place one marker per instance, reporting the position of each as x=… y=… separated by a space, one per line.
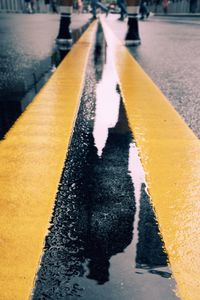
x=132 y=37
x=64 y=37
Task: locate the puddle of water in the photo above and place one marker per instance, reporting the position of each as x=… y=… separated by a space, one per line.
x=107 y=105
x=104 y=241
x=138 y=178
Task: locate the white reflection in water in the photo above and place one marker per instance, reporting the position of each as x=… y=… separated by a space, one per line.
x=136 y=170
x=107 y=105
x=138 y=178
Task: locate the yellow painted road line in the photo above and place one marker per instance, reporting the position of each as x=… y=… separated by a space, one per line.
x=170 y=155
x=31 y=161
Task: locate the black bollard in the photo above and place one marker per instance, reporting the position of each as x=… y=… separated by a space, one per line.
x=64 y=35
x=132 y=37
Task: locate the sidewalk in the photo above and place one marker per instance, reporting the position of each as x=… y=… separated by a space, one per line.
x=27 y=44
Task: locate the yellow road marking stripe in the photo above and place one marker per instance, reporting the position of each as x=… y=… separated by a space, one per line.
x=32 y=158
x=170 y=155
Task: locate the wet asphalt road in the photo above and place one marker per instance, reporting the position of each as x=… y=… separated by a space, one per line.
x=170 y=54
x=104 y=241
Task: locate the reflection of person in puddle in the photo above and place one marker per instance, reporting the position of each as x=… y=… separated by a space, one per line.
x=150 y=248
x=99 y=54
x=110 y=201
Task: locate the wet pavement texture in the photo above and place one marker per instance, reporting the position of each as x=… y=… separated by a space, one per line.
x=169 y=53
x=103 y=242
x=28 y=56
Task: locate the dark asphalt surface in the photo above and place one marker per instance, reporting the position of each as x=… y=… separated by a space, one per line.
x=169 y=54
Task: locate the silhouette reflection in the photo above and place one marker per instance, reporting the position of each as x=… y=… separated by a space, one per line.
x=111 y=205
x=150 y=248
x=99 y=53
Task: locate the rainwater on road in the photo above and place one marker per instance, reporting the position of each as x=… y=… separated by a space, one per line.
x=103 y=242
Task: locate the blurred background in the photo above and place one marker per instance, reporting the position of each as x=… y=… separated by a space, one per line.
x=52 y=6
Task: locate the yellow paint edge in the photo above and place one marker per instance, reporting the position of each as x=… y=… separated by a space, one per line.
x=32 y=158
x=170 y=154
